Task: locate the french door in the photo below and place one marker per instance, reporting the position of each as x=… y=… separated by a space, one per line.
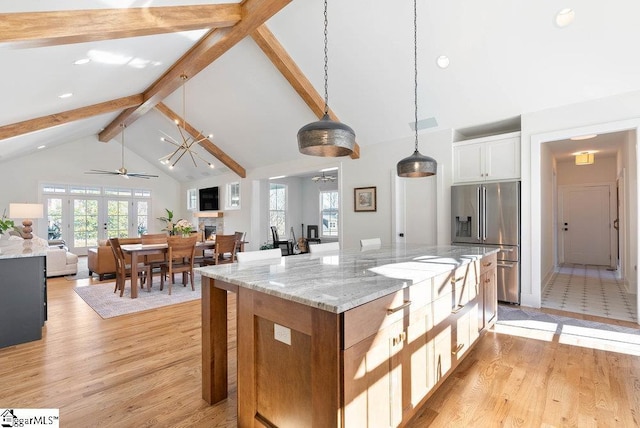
x=82 y=220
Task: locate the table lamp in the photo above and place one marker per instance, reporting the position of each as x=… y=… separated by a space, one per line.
x=27 y=212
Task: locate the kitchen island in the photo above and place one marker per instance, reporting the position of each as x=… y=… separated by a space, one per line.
x=351 y=338
x=23 y=287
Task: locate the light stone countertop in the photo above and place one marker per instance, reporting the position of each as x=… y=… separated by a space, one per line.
x=341 y=280
x=13 y=249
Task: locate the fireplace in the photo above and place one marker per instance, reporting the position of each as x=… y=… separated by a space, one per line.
x=208 y=231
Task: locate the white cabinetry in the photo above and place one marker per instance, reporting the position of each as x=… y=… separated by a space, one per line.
x=486 y=159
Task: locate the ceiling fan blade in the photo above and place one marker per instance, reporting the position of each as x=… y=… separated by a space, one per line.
x=99 y=171
x=141 y=175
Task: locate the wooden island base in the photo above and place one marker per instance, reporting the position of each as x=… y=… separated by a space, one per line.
x=372 y=365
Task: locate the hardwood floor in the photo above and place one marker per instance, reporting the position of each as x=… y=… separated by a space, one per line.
x=144 y=370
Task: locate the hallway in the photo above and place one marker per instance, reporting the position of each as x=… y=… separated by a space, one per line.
x=590 y=290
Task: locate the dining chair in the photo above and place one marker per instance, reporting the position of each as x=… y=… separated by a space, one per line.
x=240 y=241
x=371 y=242
x=154 y=261
x=225 y=244
x=180 y=258
x=123 y=270
x=248 y=256
x=326 y=247
x=278 y=243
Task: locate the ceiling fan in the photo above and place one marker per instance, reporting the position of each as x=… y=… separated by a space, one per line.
x=122 y=171
x=323 y=178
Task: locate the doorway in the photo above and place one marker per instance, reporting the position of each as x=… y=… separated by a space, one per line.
x=585 y=275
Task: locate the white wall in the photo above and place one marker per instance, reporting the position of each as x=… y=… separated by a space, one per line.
x=603 y=170
x=67 y=163
x=376 y=165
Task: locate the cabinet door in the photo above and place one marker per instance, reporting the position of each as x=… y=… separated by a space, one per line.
x=490 y=297
x=502 y=159
x=373 y=379
x=468 y=163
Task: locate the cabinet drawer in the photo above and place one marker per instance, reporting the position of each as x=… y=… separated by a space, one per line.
x=488 y=263
x=365 y=320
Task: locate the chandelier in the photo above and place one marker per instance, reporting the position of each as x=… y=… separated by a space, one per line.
x=186 y=145
x=323 y=178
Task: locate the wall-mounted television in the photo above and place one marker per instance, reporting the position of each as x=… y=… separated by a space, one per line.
x=209 y=199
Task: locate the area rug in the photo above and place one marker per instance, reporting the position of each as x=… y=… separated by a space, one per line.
x=108 y=304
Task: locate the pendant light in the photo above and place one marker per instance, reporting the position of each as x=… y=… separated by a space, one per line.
x=416 y=165
x=326 y=137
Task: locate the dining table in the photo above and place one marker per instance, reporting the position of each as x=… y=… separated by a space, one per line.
x=137 y=251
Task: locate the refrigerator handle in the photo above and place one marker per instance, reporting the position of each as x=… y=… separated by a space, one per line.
x=479 y=211
x=484 y=213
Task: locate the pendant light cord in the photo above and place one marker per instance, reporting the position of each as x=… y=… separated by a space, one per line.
x=415 y=69
x=326 y=62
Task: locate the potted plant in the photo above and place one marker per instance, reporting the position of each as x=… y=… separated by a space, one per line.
x=5 y=223
x=168 y=220
x=183 y=227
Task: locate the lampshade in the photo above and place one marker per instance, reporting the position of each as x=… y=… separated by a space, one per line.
x=417 y=165
x=26 y=211
x=585 y=158
x=326 y=137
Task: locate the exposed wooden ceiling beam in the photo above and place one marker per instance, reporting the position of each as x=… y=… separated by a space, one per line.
x=290 y=70
x=44 y=122
x=207 y=50
x=206 y=143
x=77 y=26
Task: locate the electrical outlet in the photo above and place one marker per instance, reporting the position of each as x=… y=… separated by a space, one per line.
x=282 y=334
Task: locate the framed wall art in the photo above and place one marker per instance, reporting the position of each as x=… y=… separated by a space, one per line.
x=364 y=199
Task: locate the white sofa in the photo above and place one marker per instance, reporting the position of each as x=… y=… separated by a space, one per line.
x=59 y=260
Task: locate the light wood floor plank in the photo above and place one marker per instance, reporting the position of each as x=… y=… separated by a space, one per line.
x=144 y=370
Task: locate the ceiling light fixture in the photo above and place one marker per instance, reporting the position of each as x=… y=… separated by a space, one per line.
x=565 y=17
x=442 y=61
x=585 y=158
x=417 y=165
x=81 y=61
x=323 y=178
x=326 y=137
x=67 y=95
x=187 y=143
x=584 y=137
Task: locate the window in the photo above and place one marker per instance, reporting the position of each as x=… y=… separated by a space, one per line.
x=192 y=200
x=142 y=212
x=329 y=213
x=277 y=207
x=233 y=196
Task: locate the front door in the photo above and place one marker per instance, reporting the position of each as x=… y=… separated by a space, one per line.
x=585 y=224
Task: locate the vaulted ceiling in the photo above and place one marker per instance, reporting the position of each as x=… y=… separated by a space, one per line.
x=255 y=70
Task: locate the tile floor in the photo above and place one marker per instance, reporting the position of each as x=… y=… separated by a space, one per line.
x=591 y=290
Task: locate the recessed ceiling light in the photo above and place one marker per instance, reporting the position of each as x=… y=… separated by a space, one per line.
x=565 y=17
x=82 y=61
x=67 y=95
x=41 y=147
x=584 y=137
x=333 y=168
x=443 y=61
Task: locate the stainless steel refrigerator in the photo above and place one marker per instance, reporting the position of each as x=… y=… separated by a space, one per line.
x=489 y=214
